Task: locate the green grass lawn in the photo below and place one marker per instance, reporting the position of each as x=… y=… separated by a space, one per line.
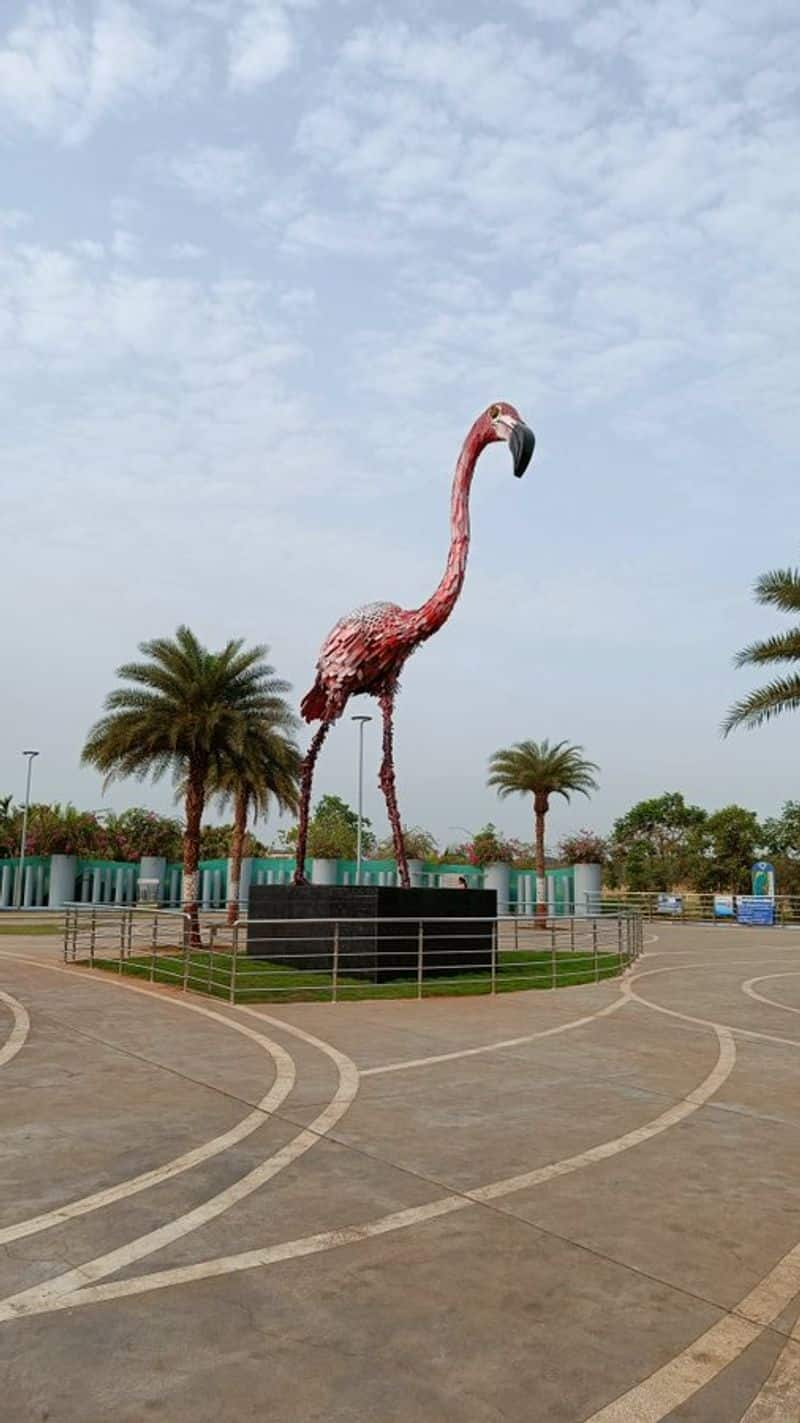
x=259 y=981
x=31 y=929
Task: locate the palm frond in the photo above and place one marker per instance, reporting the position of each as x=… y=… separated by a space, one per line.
x=780 y=589
x=783 y=647
x=764 y=703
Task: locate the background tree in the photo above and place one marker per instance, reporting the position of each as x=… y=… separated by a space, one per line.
x=541 y=770
x=778 y=589
x=264 y=769
x=780 y=839
x=420 y=845
x=651 y=846
x=722 y=850
x=583 y=848
x=136 y=832
x=184 y=710
x=333 y=831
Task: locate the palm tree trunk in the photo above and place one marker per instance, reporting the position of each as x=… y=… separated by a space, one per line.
x=195 y=804
x=237 y=851
x=540 y=806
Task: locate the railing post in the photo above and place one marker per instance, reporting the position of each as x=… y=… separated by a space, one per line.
x=187 y=948
x=619 y=937
x=335 y=963
x=212 y=929
x=572 y=934
x=153 y=948
x=420 y=952
x=234 y=956
x=493 y=989
x=594 y=951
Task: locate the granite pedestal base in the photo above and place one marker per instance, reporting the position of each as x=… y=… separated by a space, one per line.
x=455 y=925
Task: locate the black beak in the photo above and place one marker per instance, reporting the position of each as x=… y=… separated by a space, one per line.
x=521 y=443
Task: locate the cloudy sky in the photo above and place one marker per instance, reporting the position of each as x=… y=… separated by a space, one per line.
x=260 y=266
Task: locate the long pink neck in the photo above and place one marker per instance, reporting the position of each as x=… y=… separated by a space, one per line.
x=439 y=606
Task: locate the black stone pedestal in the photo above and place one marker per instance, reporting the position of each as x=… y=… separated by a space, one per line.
x=377 y=932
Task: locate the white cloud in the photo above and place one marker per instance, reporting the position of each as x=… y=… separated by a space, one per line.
x=261 y=45
x=61 y=71
x=213 y=173
x=87 y=247
x=186 y=251
x=124 y=245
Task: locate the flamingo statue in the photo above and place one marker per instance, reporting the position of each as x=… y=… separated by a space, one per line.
x=366 y=651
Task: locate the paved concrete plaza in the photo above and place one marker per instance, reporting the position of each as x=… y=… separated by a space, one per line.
x=549 y=1207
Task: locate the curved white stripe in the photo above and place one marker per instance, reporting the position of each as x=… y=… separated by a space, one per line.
x=762 y=998
x=407 y=1063
x=19 y=1031
x=269 y=1103
x=779 y=1396
x=398 y=1220
x=702 y=1022
x=48 y=1294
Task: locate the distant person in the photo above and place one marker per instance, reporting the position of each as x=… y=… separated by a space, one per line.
x=462 y=882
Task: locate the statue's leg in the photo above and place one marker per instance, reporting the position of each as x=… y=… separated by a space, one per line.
x=386 y=780
x=306 y=777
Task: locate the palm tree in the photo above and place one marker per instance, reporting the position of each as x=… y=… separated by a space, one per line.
x=185 y=711
x=778 y=589
x=536 y=768
x=264 y=768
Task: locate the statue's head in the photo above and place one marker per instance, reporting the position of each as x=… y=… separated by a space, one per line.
x=503 y=422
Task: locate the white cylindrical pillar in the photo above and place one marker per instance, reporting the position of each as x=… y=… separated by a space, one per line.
x=63 y=869
x=588 y=888
x=416 y=871
x=153 y=867
x=323 y=871
x=6 y=879
x=498 y=877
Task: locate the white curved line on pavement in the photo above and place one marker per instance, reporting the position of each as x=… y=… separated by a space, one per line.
x=34 y=1302
x=778 y=1397
x=689 y=1018
x=269 y=1103
x=48 y=1294
x=19 y=1030
x=762 y=998
x=704 y=1359
x=669 y=1387
x=407 y=1063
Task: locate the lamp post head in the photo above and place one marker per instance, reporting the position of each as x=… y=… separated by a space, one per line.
x=30 y=753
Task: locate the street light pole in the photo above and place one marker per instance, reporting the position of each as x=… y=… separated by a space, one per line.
x=21 y=876
x=361 y=723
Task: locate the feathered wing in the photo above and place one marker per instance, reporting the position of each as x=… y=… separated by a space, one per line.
x=360 y=653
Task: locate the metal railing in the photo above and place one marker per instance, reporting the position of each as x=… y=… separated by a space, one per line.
x=345 y=959
x=689 y=906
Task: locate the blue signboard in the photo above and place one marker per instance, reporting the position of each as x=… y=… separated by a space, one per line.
x=752 y=909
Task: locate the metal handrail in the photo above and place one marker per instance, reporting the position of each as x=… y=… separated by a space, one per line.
x=330 y=958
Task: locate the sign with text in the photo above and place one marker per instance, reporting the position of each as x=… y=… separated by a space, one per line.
x=755 y=909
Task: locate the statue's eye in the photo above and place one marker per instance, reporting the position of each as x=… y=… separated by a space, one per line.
x=494 y=412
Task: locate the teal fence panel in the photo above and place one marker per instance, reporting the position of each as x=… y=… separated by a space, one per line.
x=106 y=882
x=35 y=886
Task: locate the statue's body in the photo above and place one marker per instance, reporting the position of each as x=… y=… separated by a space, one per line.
x=366 y=651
